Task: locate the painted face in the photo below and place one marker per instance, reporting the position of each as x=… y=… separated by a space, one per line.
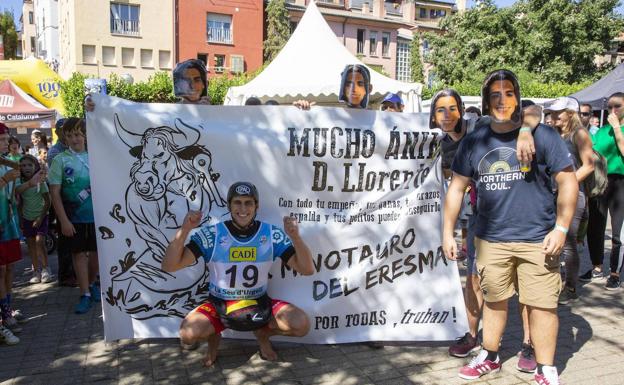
x=560 y=119
x=243 y=210
x=447 y=113
x=502 y=100
x=4 y=143
x=193 y=78
x=616 y=105
x=27 y=168
x=75 y=140
x=355 y=88
x=585 y=115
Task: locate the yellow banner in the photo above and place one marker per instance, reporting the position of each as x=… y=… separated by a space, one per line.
x=35 y=78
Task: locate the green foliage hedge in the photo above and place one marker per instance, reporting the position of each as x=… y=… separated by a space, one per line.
x=157 y=89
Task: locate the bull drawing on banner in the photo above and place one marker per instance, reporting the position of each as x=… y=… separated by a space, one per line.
x=172 y=175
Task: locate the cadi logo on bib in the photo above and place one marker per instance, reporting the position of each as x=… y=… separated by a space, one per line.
x=242 y=254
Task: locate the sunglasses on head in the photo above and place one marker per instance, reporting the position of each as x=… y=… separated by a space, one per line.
x=612 y=106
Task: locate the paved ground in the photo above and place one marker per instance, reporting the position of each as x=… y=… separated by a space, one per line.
x=59 y=347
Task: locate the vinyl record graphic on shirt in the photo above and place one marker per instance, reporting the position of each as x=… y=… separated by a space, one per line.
x=498 y=161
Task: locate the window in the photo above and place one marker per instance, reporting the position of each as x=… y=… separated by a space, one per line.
x=108 y=56
x=432 y=13
x=219 y=63
x=147 y=58
x=127 y=57
x=203 y=57
x=293 y=26
x=124 y=19
x=88 y=54
x=31 y=18
x=372 y=39
x=360 y=41
x=403 y=70
x=164 y=59
x=385 y=43
x=32 y=44
x=425 y=50
x=237 y=63
x=423 y=13
x=219 y=28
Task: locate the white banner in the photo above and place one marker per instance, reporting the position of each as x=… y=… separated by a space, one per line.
x=362 y=184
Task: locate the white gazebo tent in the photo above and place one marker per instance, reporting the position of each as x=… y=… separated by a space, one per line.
x=309 y=67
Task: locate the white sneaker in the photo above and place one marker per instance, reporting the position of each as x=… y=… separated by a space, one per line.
x=36 y=278
x=46 y=277
x=7 y=336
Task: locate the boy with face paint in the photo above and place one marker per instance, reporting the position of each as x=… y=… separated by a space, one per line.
x=239 y=254
x=516 y=241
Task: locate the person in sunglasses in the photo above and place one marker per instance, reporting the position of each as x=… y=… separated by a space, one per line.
x=586 y=115
x=609 y=142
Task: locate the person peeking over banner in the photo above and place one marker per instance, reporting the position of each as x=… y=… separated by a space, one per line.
x=190 y=84
x=355 y=88
x=239 y=254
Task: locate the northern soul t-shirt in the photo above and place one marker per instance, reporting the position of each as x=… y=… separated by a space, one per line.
x=239 y=263
x=512 y=206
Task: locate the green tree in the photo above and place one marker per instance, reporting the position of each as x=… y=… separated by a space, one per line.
x=554 y=40
x=278 y=29
x=416 y=64
x=9 y=35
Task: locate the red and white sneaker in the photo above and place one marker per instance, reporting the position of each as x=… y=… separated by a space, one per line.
x=549 y=376
x=479 y=366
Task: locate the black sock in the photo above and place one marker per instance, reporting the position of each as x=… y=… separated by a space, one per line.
x=491 y=355
x=539 y=368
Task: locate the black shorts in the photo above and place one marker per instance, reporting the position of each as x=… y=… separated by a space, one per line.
x=84 y=239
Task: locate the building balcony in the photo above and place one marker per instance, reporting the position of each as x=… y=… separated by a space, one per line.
x=125 y=27
x=220 y=35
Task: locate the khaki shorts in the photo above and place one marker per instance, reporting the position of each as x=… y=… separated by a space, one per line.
x=505 y=268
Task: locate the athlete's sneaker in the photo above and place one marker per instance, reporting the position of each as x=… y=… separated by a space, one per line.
x=46 y=276
x=613 y=283
x=84 y=305
x=36 y=278
x=479 y=366
x=7 y=337
x=591 y=275
x=526 y=359
x=94 y=289
x=548 y=377
x=567 y=296
x=464 y=346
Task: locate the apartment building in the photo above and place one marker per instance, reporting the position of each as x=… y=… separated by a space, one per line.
x=380 y=32
x=29 y=32
x=226 y=35
x=46 y=30
x=125 y=37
